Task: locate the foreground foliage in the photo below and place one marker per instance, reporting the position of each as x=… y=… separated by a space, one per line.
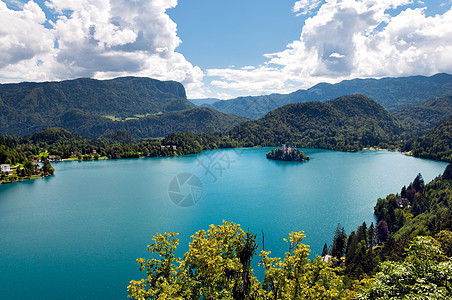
x=218 y=266
x=424 y=274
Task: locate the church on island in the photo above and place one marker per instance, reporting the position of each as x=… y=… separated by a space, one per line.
x=287 y=154
x=286 y=149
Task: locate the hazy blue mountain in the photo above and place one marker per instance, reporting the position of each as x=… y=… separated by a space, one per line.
x=205 y=101
x=392 y=93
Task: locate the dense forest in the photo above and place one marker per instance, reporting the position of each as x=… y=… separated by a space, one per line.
x=348 y=123
x=9 y=154
x=407 y=255
x=435 y=144
x=64 y=144
x=420 y=118
x=29 y=107
x=143 y=107
x=22 y=166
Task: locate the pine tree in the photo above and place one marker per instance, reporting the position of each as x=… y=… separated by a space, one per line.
x=381 y=232
x=325 y=250
x=339 y=242
x=371 y=235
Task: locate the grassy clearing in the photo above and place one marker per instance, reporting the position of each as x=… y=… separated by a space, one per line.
x=134 y=117
x=113 y=118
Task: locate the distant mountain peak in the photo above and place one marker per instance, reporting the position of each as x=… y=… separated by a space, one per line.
x=393 y=93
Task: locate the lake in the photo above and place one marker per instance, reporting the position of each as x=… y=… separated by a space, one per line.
x=77 y=234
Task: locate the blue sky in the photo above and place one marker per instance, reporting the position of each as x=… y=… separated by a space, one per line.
x=218 y=34
x=225 y=49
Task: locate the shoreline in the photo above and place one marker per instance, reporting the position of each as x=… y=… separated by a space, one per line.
x=106 y=158
x=20 y=179
x=381 y=149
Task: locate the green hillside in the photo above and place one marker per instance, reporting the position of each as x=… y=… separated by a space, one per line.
x=347 y=123
x=426 y=115
x=9 y=154
x=143 y=107
x=29 y=107
x=197 y=120
x=435 y=144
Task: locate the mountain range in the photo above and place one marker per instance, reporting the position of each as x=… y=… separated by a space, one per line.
x=143 y=107
x=393 y=94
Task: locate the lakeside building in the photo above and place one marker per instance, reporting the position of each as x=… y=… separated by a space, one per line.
x=173 y=147
x=6 y=168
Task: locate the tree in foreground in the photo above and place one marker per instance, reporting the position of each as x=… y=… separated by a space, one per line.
x=218 y=266
x=382 y=232
x=296 y=277
x=425 y=274
x=339 y=242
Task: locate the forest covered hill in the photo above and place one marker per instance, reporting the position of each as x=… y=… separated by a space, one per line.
x=197 y=120
x=347 y=123
x=143 y=107
x=435 y=144
x=426 y=115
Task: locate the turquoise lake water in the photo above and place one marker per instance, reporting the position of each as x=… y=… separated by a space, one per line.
x=77 y=234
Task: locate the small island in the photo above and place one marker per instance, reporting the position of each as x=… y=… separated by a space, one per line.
x=287 y=154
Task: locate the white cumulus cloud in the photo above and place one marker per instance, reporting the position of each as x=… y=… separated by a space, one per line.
x=350 y=38
x=94 y=38
x=263 y=79
x=304 y=7
x=22 y=34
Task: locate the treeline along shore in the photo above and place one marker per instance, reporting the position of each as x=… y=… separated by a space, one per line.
x=364 y=124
